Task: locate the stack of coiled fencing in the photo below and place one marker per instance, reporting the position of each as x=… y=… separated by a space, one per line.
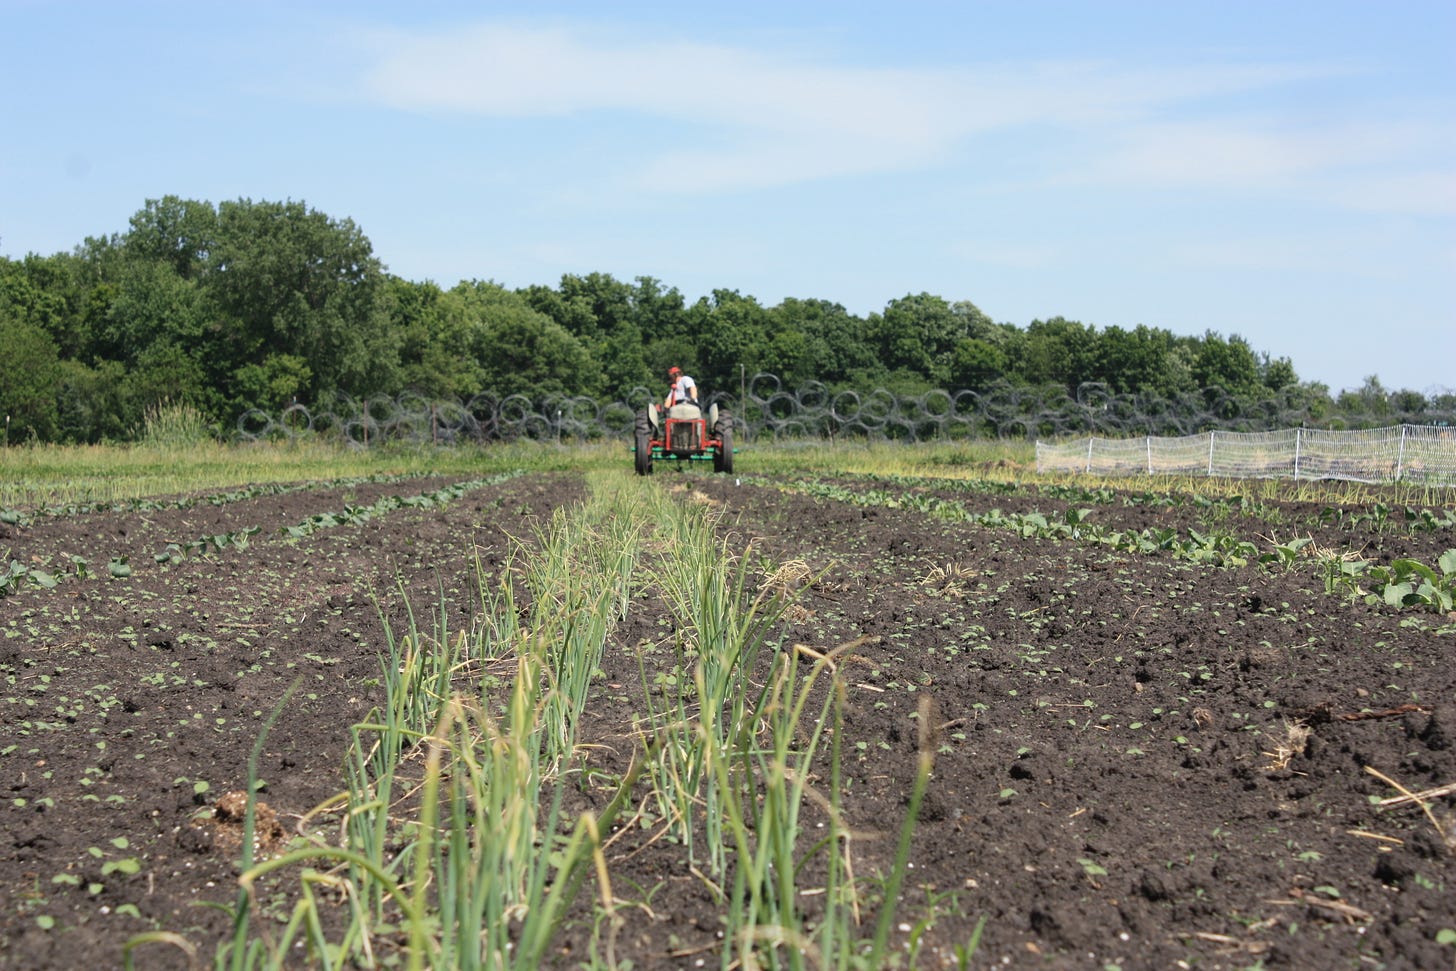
x=763 y=408
x=412 y=419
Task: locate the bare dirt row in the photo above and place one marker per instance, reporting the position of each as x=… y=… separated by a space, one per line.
x=1141 y=762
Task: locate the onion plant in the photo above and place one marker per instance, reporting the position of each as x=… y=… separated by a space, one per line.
x=581 y=584
x=732 y=761
x=721 y=626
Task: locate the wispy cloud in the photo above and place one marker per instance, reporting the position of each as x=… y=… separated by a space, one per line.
x=758 y=118
x=768 y=122
x=1420 y=192
x=1267 y=254
x=1372 y=165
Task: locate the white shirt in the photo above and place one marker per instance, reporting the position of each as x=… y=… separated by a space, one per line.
x=682 y=390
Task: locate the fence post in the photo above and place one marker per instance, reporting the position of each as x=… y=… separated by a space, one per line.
x=1210 y=451
x=1089 y=454
x=1150 y=454
x=743 y=397
x=1297 y=442
x=1400 y=454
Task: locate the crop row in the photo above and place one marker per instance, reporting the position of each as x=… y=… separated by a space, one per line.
x=1405 y=582
x=1379 y=517
x=16 y=517
x=18 y=575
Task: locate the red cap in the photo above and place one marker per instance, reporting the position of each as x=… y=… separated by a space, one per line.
x=674 y=370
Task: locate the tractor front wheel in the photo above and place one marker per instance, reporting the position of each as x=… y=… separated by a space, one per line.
x=644 y=444
x=723 y=460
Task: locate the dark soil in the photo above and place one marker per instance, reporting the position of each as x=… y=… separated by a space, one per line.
x=1119 y=778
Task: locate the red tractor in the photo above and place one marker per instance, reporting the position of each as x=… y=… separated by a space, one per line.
x=682 y=433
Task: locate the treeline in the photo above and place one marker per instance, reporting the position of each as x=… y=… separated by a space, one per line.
x=245 y=305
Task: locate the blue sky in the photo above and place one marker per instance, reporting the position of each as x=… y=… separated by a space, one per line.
x=1285 y=171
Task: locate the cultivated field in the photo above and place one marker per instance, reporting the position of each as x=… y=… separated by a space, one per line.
x=514 y=716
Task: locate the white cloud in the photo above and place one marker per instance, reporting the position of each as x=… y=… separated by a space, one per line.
x=1264 y=253
x=1359 y=165
x=1205 y=154
x=770 y=123
x=1360 y=168
x=1427 y=193
x=513 y=70
x=758 y=118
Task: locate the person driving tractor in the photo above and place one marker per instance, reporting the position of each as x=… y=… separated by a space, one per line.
x=684 y=389
x=681 y=431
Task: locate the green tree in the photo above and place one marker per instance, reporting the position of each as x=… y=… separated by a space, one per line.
x=608 y=300
x=1309 y=400
x=518 y=349
x=731 y=332
x=1407 y=403
x=655 y=308
x=793 y=355
x=1226 y=363
x=622 y=357
x=624 y=327
x=89 y=402
x=1137 y=360
x=28 y=393
x=436 y=351
x=976 y=363
x=1056 y=351
x=972 y=322
x=50 y=292
x=573 y=305
x=164 y=371
x=180 y=233
x=1371 y=399
x=1276 y=374
x=917 y=334
x=818 y=340
x=300 y=298
x=151 y=304
x=273 y=383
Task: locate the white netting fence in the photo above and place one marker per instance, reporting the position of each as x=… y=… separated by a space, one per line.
x=1406 y=453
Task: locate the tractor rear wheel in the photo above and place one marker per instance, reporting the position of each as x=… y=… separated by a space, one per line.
x=723 y=460
x=643 y=444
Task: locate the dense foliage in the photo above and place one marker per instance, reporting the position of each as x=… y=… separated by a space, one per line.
x=248 y=304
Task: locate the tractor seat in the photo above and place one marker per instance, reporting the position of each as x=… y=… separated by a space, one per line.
x=684 y=411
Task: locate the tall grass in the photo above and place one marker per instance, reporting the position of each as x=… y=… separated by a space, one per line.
x=175 y=425
x=994 y=457
x=32 y=477
x=1330 y=492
